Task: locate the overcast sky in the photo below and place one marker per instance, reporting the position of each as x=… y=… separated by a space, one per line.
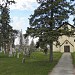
x=20 y=12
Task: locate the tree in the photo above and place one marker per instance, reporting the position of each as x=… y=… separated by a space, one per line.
x=5 y=28
x=43 y=46
x=7 y=2
x=20 y=43
x=21 y=40
x=14 y=36
x=25 y=48
x=46 y=17
x=27 y=45
x=32 y=47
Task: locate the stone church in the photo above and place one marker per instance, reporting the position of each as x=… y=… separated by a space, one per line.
x=67 y=43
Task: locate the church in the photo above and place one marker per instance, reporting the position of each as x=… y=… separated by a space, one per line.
x=67 y=43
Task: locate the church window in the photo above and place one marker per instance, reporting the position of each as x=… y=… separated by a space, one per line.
x=66 y=42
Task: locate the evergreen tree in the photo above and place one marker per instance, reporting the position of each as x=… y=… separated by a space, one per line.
x=14 y=36
x=26 y=41
x=20 y=43
x=5 y=28
x=32 y=47
x=25 y=49
x=27 y=45
x=46 y=17
x=21 y=40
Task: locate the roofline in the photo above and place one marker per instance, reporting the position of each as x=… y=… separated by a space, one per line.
x=66 y=24
x=68 y=41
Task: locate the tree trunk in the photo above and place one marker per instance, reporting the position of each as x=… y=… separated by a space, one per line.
x=19 y=50
x=10 y=52
x=51 y=52
x=4 y=48
x=1 y=49
x=14 y=52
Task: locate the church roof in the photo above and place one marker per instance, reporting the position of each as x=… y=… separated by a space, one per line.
x=65 y=23
x=66 y=41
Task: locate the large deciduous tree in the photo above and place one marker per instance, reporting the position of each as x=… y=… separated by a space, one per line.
x=46 y=17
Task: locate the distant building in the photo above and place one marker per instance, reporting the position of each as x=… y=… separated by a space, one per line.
x=67 y=43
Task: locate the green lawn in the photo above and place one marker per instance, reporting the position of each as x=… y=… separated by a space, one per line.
x=37 y=64
x=73 y=57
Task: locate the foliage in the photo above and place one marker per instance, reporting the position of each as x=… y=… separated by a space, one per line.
x=21 y=40
x=49 y=15
x=6 y=30
x=32 y=46
x=5 y=3
x=14 y=36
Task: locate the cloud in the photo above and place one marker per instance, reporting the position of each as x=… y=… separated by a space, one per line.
x=70 y=20
x=24 y=4
x=20 y=13
x=19 y=23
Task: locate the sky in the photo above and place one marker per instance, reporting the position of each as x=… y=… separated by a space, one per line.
x=20 y=12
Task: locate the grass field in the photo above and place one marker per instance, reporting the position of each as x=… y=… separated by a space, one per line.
x=73 y=57
x=37 y=64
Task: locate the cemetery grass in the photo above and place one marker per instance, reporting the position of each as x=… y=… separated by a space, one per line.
x=37 y=64
x=73 y=58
